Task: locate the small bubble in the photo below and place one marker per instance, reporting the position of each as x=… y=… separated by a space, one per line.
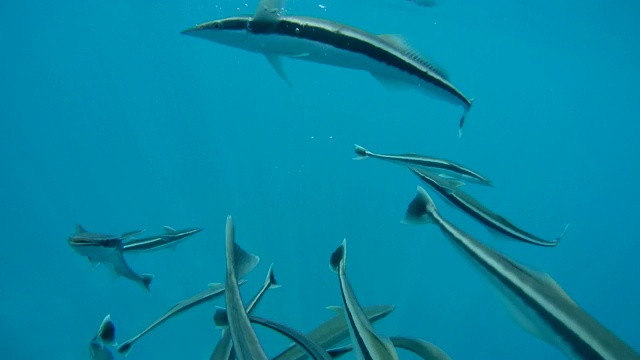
x=297 y=30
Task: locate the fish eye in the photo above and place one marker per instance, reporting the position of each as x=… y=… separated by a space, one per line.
x=217 y=26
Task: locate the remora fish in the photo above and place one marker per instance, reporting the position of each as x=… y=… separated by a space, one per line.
x=539 y=303
x=367 y=344
x=314 y=350
x=239 y=263
x=333 y=331
x=106 y=336
x=387 y=57
x=444 y=168
x=213 y=292
x=170 y=238
x=107 y=250
x=224 y=348
x=423 y=349
x=449 y=191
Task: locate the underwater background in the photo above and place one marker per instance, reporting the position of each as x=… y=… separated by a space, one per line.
x=113 y=120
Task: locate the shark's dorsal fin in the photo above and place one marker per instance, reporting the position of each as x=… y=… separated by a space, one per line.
x=169 y=230
x=401 y=44
x=80 y=229
x=268 y=10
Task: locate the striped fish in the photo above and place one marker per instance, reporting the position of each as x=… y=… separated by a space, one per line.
x=367 y=344
x=170 y=238
x=224 y=348
x=387 y=57
x=214 y=291
x=333 y=331
x=538 y=302
x=444 y=168
x=448 y=189
x=423 y=349
x=315 y=351
x=239 y=263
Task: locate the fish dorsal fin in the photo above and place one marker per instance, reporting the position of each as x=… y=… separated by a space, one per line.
x=546 y=279
x=268 y=10
x=401 y=44
x=80 y=229
x=336 y=309
x=169 y=230
x=244 y=261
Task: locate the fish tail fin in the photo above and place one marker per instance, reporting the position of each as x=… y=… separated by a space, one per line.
x=220 y=318
x=271 y=282
x=339 y=256
x=464 y=117
x=107 y=331
x=146 y=281
x=563 y=233
x=125 y=348
x=421 y=209
x=361 y=153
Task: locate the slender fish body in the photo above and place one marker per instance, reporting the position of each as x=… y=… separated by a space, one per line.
x=169 y=239
x=213 y=292
x=239 y=263
x=368 y=344
x=333 y=331
x=450 y=192
x=443 y=168
x=423 y=349
x=224 y=348
x=542 y=307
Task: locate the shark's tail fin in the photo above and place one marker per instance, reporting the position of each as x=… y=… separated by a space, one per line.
x=361 y=153
x=421 y=209
x=107 y=332
x=339 y=256
x=146 y=281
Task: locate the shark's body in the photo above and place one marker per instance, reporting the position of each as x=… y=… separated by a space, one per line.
x=106 y=249
x=387 y=57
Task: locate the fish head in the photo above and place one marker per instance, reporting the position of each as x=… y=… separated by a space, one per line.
x=94 y=246
x=231 y=31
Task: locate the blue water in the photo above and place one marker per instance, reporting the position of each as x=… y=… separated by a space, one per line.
x=113 y=120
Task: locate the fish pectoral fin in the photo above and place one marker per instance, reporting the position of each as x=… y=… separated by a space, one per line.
x=402 y=45
x=276 y=64
x=391 y=84
x=220 y=318
x=268 y=10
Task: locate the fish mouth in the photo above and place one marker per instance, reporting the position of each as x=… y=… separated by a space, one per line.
x=81 y=242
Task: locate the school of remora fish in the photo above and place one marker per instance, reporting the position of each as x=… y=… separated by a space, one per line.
x=539 y=304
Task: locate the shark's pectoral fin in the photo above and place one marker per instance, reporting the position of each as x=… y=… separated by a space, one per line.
x=276 y=64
